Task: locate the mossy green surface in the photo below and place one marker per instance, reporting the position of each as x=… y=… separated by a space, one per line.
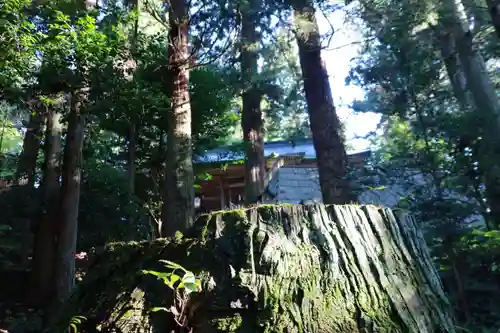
x=228 y=324
x=269 y=269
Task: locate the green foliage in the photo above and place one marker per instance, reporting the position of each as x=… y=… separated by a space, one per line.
x=54 y=47
x=76 y=48
x=107 y=211
x=17 y=40
x=182 y=286
x=486 y=245
x=211 y=102
x=284 y=102
x=10 y=138
x=475 y=259
x=171 y=279
x=75 y=322
x=8 y=166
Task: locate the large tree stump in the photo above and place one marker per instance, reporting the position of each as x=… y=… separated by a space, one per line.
x=287 y=268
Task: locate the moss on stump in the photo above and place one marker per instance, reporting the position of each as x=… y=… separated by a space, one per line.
x=286 y=268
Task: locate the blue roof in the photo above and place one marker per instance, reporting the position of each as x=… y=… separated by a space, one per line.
x=228 y=153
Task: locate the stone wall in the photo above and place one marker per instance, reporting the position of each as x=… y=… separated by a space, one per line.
x=293 y=184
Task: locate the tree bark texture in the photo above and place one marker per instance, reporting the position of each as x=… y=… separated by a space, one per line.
x=131 y=164
x=178 y=206
x=26 y=168
x=454 y=69
x=131 y=150
x=66 y=233
x=31 y=145
x=487 y=103
x=132 y=132
x=458 y=81
x=325 y=125
x=46 y=226
x=251 y=121
x=289 y=268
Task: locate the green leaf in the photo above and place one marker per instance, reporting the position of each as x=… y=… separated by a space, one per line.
x=173 y=279
x=161 y=275
x=188 y=278
x=159 y=308
x=189 y=283
x=172 y=265
x=378 y=188
x=192 y=287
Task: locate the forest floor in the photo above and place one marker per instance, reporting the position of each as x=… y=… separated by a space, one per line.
x=16 y=316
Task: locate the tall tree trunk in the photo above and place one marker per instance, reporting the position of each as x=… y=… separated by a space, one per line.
x=325 y=125
x=132 y=134
x=454 y=21
x=251 y=121
x=70 y=199
x=458 y=80
x=31 y=145
x=178 y=205
x=45 y=227
x=494 y=9
x=131 y=167
x=454 y=69
x=26 y=169
x=158 y=179
x=132 y=149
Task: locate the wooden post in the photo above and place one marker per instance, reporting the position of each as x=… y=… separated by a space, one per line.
x=222 y=198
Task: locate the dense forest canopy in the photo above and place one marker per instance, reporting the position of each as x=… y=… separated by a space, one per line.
x=104 y=106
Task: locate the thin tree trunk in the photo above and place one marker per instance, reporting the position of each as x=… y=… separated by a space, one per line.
x=132 y=149
x=494 y=9
x=251 y=121
x=26 y=170
x=131 y=168
x=31 y=145
x=132 y=139
x=325 y=125
x=132 y=133
x=70 y=199
x=45 y=227
x=461 y=295
x=178 y=206
x=131 y=67
x=158 y=179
